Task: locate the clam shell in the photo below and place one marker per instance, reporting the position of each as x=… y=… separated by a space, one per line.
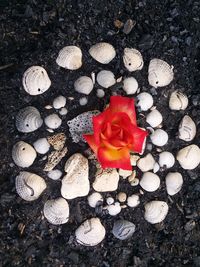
x=59 y=102
x=56 y=211
x=53 y=121
x=90 y=233
x=150 y=182
x=166 y=159
x=36 y=80
x=28 y=120
x=29 y=186
x=123 y=229
x=160 y=73
x=130 y=85
x=154 y=118
x=155 y=211
x=70 y=57
x=106 y=78
x=178 y=101
x=174 y=182
x=23 y=154
x=57 y=140
x=145 y=101
x=41 y=145
x=83 y=85
x=132 y=59
x=187 y=129
x=102 y=52
x=159 y=137
x=189 y=157
x=147 y=163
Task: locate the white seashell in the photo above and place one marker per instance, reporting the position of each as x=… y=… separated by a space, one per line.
x=155 y=211
x=100 y=93
x=156 y=167
x=132 y=59
x=166 y=160
x=159 y=137
x=178 y=101
x=154 y=118
x=134 y=159
x=189 y=157
x=145 y=101
x=150 y=182
x=63 y=111
x=29 y=186
x=41 y=145
x=54 y=158
x=123 y=229
x=114 y=209
x=90 y=233
x=28 y=120
x=48 y=107
x=36 y=80
x=124 y=173
x=133 y=201
x=56 y=211
x=106 y=78
x=130 y=85
x=102 y=52
x=83 y=101
x=174 y=182
x=147 y=163
x=106 y=180
x=110 y=200
x=93 y=77
x=53 y=121
x=83 y=85
x=94 y=198
x=160 y=73
x=70 y=57
x=121 y=197
x=23 y=154
x=187 y=129
x=59 y=102
x=54 y=174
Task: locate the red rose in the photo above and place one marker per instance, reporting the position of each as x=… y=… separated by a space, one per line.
x=115 y=134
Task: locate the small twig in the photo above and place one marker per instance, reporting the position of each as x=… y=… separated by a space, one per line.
x=6 y=66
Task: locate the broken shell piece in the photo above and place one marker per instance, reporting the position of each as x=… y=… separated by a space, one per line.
x=189 y=157
x=83 y=85
x=106 y=180
x=110 y=200
x=28 y=120
x=23 y=154
x=90 y=233
x=100 y=93
x=36 y=80
x=102 y=52
x=166 y=159
x=57 y=141
x=145 y=101
x=178 y=101
x=123 y=229
x=54 y=158
x=56 y=211
x=147 y=163
x=134 y=159
x=132 y=59
x=114 y=209
x=53 y=121
x=160 y=73
x=94 y=198
x=121 y=197
x=59 y=102
x=133 y=201
x=130 y=85
x=174 y=182
x=154 y=118
x=41 y=145
x=125 y=173
x=156 y=167
x=187 y=129
x=106 y=78
x=29 y=186
x=70 y=57
x=150 y=182
x=159 y=137
x=155 y=211
x=54 y=174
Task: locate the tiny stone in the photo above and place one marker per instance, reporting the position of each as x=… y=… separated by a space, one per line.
x=54 y=174
x=83 y=101
x=63 y=111
x=100 y=93
x=128 y=26
x=121 y=197
x=48 y=107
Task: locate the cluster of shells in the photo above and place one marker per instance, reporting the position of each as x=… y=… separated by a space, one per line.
x=75 y=179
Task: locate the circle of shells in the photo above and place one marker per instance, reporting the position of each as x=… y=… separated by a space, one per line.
x=75 y=181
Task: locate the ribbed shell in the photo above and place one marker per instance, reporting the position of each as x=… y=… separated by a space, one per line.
x=84 y=85
x=155 y=211
x=132 y=59
x=178 y=101
x=28 y=120
x=36 y=80
x=106 y=78
x=123 y=229
x=29 y=186
x=70 y=57
x=102 y=52
x=187 y=129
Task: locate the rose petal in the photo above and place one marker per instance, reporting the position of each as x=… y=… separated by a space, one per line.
x=89 y=138
x=139 y=136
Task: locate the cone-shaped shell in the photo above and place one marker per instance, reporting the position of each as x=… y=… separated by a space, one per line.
x=102 y=52
x=70 y=57
x=156 y=211
x=132 y=59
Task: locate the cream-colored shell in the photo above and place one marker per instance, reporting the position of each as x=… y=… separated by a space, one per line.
x=174 y=182
x=130 y=85
x=106 y=180
x=154 y=118
x=166 y=159
x=178 y=101
x=150 y=182
x=83 y=85
x=145 y=101
x=28 y=120
x=160 y=73
x=187 y=129
x=53 y=121
x=155 y=211
x=159 y=137
x=147 y=163
x=41 y=145
x=29 y=186
x=90 y=233
x=56 y=211
x=59 y=102
x=102 y=52
x=70 y=57
x=23 y=154
x=132 y=59
x=189 y=157
x=106 y=78
x=36 y=80
x=94 y=198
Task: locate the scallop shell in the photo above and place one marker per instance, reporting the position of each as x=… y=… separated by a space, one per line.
x=90 y=233
x=94 y=198
x=23 y=154
x=53 y=121
x=154 y=118
x=102 y=52
x=83 y=85
x=132 y=59
x=145 y=101
x=174 y=182
x=130 y=85
x=150 y=182
x=36 y=80
x=189 y=157
x=29 y=186
x=123 y=229
x=160 y=73
x=155 y=211
x=41 y=145
x=178 y=101
x=106 y=78
x=159 y=137
x=187 y=129
x=56 y=211
x=28 y=120
x=166 y=159
x=70 y=57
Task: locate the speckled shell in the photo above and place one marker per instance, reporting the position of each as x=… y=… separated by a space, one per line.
x=106 y=78
x=178 y=101
x=189 y=157
x=132 y=59
x=155 y=211
x=70 y=57
x=150 y=182
x=187 y=129
x=123 y=229
x=28 y=120
x=90 y=233
x=160 y=73
x=29 y=186
x=56 y=211
x=174 y=182
x=36 y=80
x=159 y=137
x=23 y=154
x=84 y=85
x=102 y=52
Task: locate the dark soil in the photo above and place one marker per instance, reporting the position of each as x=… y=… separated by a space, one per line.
x=31 y=33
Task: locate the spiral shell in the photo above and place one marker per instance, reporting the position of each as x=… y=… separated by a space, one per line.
x=83 y=85
x=29 y=186
x=36 y=80
x=132 y=59
x=70 y=57
x=102 y=52
x=106 y=78
x=187 y=129
x=28 y=120
x=123 y=229
x=155 y=211
x=174 y=182
x=178 y=101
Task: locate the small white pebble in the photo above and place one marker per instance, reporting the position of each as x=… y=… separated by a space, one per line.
x=54 y=174
x=50 y=130
x=159 y=137
x=133 y=201
x=154 y=118
x=114 y=209
x=59 y=102
x=130 y=85
x=121 y=197
x=48 y=107
x=63 y=111
x=41 y=145
x=83 y=101
x=145 y=101
x=53 y=121
x=110 y=200
x=94 y=198
x=100 y=93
